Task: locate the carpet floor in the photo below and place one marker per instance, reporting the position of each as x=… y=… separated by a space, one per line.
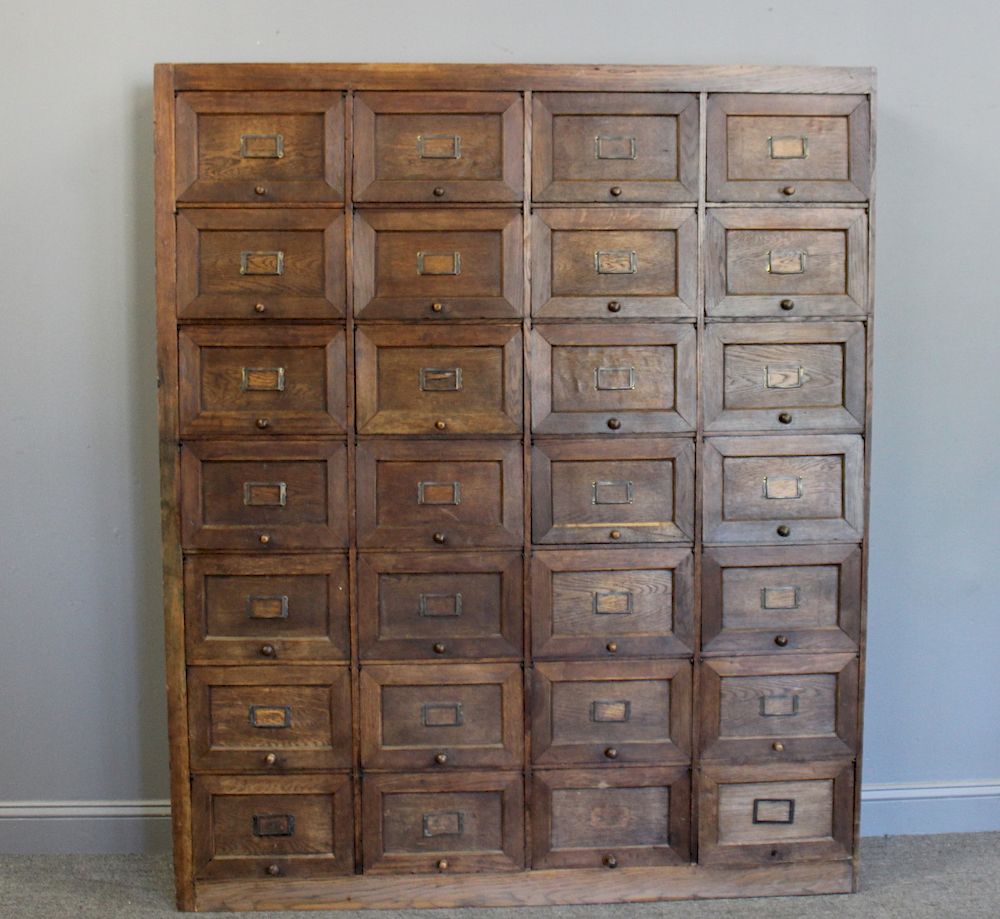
x=954 y=876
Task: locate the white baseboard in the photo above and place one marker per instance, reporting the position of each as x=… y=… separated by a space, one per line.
x=32 y=827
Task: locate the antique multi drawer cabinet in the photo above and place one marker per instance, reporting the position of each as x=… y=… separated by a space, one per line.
x=514 y=443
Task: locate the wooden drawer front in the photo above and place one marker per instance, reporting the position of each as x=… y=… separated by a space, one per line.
x=438 y=147
x=781 y=599
x=265 y=827
x=610 y=713
x=440 y=495
x=788 y=147
x=591 y=379
x=292 y=607
x=620 y=263
x=777 y=813
x=634 y=603
x=615 y=147
x=260 y=264
x=260 y=147
x=464 y=380
x=785 y=376
x=452 y=824
x=425 y=264
x=763 y=709
x=782 y=262
x=262 y=381
x=420 y=717
x=592 y=818
x=262 y=719
x=784 y=489
x=416 y=606
x=628 y=490
x=266 y=496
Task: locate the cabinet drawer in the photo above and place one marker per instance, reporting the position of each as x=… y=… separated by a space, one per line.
x=784 y=489
x=285 y=380
x=453 y=824
x=782 y=262
x=592 y=818
x=628 y=490
x=449 y=264
x=781 y=599
x=611 y=713
x=265 y=827
x=449 y=146
x=763 y=709
x=438 y=607
x=421 y=717
x=440 y=495
x=262 y=719
x=615 y=147
x=776 y=813
x=292 y=607
x=788 y=147
x=614 y=263
x=260 y=147
x=260 y=264
x=784 y=376
x=635 y=603
x=266 y=496
x=464 y=380
x=591 y=379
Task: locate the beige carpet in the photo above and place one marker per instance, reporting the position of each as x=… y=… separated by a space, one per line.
x=953 y=876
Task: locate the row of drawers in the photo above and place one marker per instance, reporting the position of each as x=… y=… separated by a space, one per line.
x=303 y=825
x=469 y=146
x=586 y=263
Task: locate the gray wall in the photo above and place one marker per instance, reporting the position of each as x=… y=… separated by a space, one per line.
x=83 y=756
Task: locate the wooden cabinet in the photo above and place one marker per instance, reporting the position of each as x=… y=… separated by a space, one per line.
x=514 y=429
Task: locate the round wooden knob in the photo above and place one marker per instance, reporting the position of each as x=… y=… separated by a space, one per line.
x=784 y=530
x=614 y=424
x=778 y=746
x=787 y=304
x=268 y=650
x=260 y=190
x=273 y=870
x=614 y=306
x=440 y=425
x=781 y=640
x=442 y=864
x=259 y=308
x=439 y=648
x=262 y=423
x=616 y=191
x=270 y=759
x=264 y=539
x=611 y=753
x=438 y=192
x=615 y=534
x=612 y=647
x=437 y=307
x=441 y=758
x=609 y=861
x=788 y=190
x=439 y=538
x=785 y=418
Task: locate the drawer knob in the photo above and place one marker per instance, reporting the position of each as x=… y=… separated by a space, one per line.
x=612 y=647
x=609 y=861
x=438 y=192
x=440 y=425
x=264 y=539
x=616 y=191
x=442 y=864
x=778 y=747
x=784 y=530
x=274 y=871
x=262 y=423
x=788 y=190
x=785 y=418
x=614 y=424
x=611 y=753
x=268 y=651
x=260 y=190
x=259 y=308
x=270 y=759
x=787 y=304
x=437 y=307
x=441 y=758
x=781 y=640
x=439 y=648
x=439 y=538
x=614 y=306
x=615 y=534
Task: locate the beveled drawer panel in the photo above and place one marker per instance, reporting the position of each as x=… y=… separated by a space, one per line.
x=263 y=719
x=628 y=603
x=591 y=379
x=788 y=147
x=446 y=494
x=456 y=823
x=593 y=818
x=264 y=827
x=274 y=380
x=610 y=713
x=253 y=147
x=780 y=377
x=266 y=496
x=805 y=488
x=446 y=264
x=439 y=607
x=776 y=813
x=260 y=264
x=459 y=380
x=768 y=709
x=417 y=716
x=614 y=263
x=620 y=491
x=615 y=147
x=438 y=146
x=252 y=609
x=786 y=262
x=781 y=599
